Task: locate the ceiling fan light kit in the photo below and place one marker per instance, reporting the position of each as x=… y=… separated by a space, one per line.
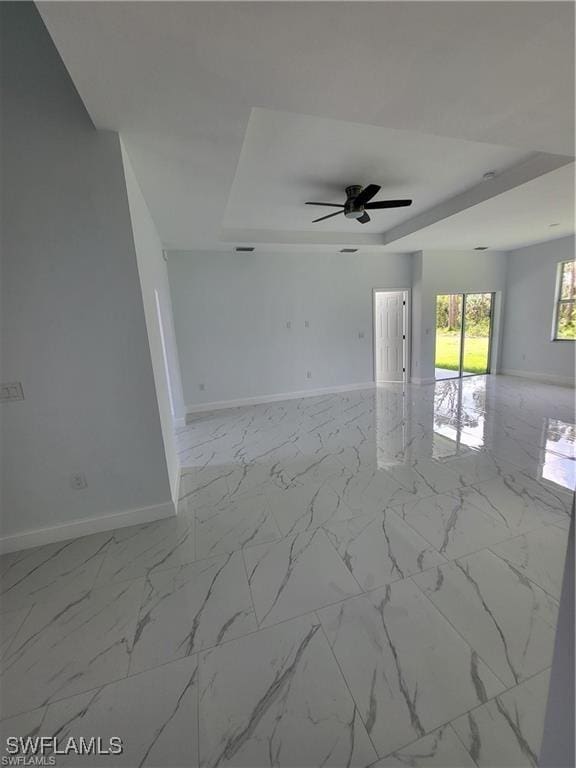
x=358 y=203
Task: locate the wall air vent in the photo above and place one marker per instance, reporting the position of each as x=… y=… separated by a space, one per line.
x=349 y=250
x=244 y=248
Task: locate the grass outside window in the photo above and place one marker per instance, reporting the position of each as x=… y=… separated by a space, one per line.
x=448 y=352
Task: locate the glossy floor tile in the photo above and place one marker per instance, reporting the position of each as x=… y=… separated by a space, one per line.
x=440 y=749
x=296 y=575
x=520 y=502
x=508 y=730
x=234 y=524
x=10 y=623
x=425 y=477
x=381 y=548
x=39 y=574
x=64 y=647
x=407 y=668
x=190 y=608
x=452 y=524
x=155 y=714
x=277 y=698
x=370 y=488
x=306 y=506
x=539 y=555
x=369 y=578
x=141 y=550
x=508 y=620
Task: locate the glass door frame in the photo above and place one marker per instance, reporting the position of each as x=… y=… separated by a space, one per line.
x=460 y=374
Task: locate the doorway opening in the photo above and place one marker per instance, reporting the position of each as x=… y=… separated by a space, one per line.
x=463 y=334
x=390 y=335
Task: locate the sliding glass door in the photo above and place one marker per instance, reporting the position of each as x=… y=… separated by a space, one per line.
x=463 y=333
x=476 y=339
x=448 y=335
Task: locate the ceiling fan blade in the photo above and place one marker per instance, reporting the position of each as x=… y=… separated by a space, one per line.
x=364 y=219
x=328 y=205
x=328 y=217
x=367 y=194
x=387 y=204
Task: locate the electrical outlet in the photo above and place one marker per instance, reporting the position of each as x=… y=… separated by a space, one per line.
x=78 y=481
x=289 y=324
x=202 y=387
x=306 y=323
x=11 y=391
x=361 y=335
x=308 y=374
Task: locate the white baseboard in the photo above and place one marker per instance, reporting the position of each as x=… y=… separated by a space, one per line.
x=179 y=422
x=219 y=405
x=546 y=378
x=84 y=527
x=415 y=380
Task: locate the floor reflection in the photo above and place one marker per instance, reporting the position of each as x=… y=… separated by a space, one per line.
x=459 y=416
x=392 y=425
x=558 y=455
x=463 y=422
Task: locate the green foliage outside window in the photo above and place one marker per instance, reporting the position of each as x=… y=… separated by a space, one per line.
x=476 y=329
x=566 y=307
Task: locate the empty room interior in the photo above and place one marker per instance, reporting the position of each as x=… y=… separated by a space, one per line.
x=288 y=327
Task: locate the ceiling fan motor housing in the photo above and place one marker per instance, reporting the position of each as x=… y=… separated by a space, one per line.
x=352 y=211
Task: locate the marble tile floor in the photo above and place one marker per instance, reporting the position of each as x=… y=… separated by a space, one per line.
x=362 y=579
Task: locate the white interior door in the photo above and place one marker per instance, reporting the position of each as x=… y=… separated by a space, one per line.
x=390 y=336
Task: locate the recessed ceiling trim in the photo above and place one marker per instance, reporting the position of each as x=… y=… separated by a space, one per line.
x=273 y=237
x=514 y=219
x=536 y=165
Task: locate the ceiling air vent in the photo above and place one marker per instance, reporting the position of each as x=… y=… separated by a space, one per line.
x=349 y=250
x=244 y=248
x=481 y=248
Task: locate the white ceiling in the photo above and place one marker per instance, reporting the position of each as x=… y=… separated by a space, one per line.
x=287 y=159
x=418 y=97
x=516 y=218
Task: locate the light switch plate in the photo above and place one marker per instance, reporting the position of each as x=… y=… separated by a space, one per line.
x=11 y=391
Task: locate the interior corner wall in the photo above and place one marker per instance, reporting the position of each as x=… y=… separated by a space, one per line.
x=438 y=272
x=251 y=325
x=159 y=320
x=73 y=326
x=527 y=348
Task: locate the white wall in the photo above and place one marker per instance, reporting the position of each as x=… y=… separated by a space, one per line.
x=231 y=311
x=527 y=348
x=437 y=272
x=156 y=298
x=73 y=329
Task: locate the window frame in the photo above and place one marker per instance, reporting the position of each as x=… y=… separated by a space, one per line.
x=559 y=301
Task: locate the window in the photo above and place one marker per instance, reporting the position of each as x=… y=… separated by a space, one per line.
x=565 y=318
x=557 y=453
